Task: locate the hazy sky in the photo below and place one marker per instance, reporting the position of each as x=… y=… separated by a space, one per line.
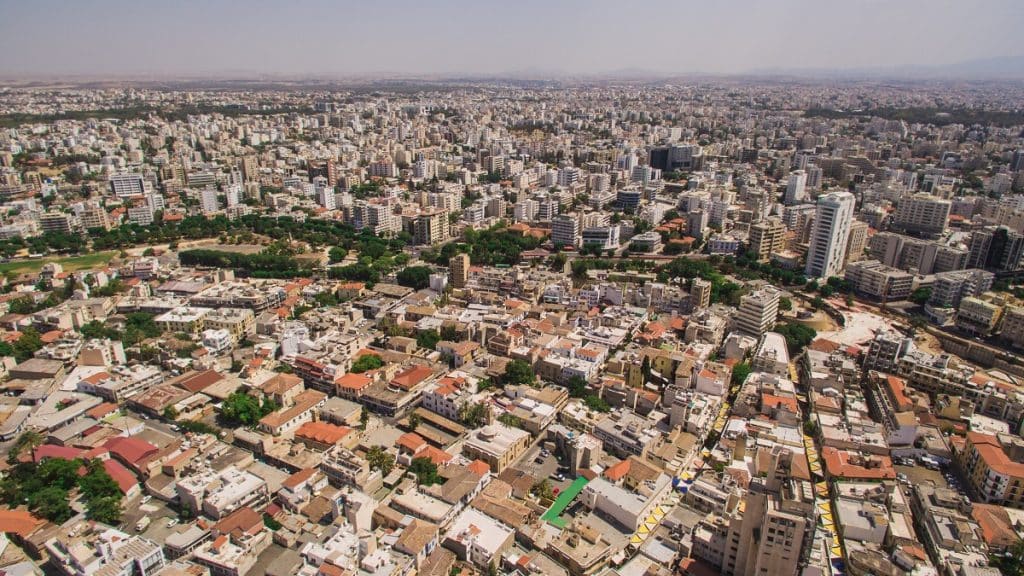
x=339 y=37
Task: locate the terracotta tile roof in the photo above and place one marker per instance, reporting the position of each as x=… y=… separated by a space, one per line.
x=322 y=432
x=130 y=449
x=618 y=471
x=298 y=478
x=201 y=381
x=842 y=464
x=20 y=522
x=409 y=378
x=53 y=451
x=411 y=441
x=995 y=457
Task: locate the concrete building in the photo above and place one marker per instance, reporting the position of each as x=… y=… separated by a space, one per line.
x=700 y=294
x=796 y=188
x=458 y=268
x=874 y=279
x=767 y=237
x=757 y=312
x=565 y=230
x=922 y=214
x=496 y=444
x=831 y=232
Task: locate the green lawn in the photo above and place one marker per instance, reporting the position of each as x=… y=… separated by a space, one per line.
x=70 y=263
x=554 y=513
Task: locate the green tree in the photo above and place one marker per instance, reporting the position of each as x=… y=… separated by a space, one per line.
x=414 y=421
x=473 y=414
x=740 y=373
x=415 y=277
x=577 y=386
x=428 y=339
x=785 y=304
x=425 y=471
x=50 y=503
x=510 y=420
x=379 y=459
x=29 y=440
x=337 y=254
x=366 y=362
x=797 y=336
x=519 y=372
x=244 y=409
x=106 y=510
x=921 y=296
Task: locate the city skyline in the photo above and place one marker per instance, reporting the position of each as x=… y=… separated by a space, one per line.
x=309 y=38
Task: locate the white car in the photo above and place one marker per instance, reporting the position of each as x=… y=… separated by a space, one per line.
x=172 y=522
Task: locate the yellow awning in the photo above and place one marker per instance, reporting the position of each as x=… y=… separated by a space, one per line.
x=636 y=540
x=643 y=530
x=659 y=511
x=837 y=551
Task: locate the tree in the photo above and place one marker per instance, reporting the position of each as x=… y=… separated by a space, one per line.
x=415 y=277
x=106 y=510
x=428 y=339
x=414 y=421
x=366 y=362
x=364 y=418
x=241 y=408
x=797 y=336
x=543 y=490
x=510 y=420
x=425 y=471
x=29 y=439
x=921 y=296
x=740 y=373
x=785 y=304
x=379 y=459
x=519 y=372
x=596 y=403
x=577 y=386
x=50 y=503
x=337 y=254
x=473 y=415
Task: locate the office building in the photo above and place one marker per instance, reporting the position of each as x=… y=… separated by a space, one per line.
x=830 y=233
x=208 y=200
x=122 y=185
x=430 y=228
x=857 y=241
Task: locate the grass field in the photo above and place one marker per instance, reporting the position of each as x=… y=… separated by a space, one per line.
x=70 y=263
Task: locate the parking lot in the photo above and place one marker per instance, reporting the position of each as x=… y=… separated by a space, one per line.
x=942 y=478
x=541 y=467
x=159 y=515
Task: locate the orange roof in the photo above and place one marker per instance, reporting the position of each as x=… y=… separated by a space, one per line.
x=773 y=401
x=353 y=381
x=992 y=453
x=322 y=432
x=411 y=441
x=201 y=381
x=618 y=471
x=839 y=463
x=20 y=522
x=898 y=388
x=299 y=477
x=437 y=456
x=479 y=467
x=101 y=410
x=51 y=336
x=411 y=377
x=996 y=526
x=823 y=345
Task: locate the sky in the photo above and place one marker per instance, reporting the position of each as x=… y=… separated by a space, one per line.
x=186 y=38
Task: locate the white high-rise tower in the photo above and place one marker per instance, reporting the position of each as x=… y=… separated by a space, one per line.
x=832 y=220
x=796 y=189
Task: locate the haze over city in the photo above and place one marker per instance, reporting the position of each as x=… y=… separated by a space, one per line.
x=562 y=288
x=531 y=37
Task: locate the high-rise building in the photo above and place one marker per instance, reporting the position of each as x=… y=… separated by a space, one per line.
x=996 y=249
x=830 y=233
x=1017 y=162
x=757 y=312
x=250 y=169
x=767 y=237
x=565 y=231
x=700 y=294
x=56 y=222
x=458 y=268
x=922 y=214
x=796 y=188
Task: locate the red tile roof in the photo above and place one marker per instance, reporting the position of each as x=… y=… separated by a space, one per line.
x=130 y=449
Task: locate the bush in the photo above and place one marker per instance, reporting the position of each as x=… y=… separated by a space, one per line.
x=366 y=362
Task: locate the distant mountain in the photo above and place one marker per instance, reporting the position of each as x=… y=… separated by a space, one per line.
x=998 y=68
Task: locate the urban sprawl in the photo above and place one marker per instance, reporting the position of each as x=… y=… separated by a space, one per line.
x=570 y=329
